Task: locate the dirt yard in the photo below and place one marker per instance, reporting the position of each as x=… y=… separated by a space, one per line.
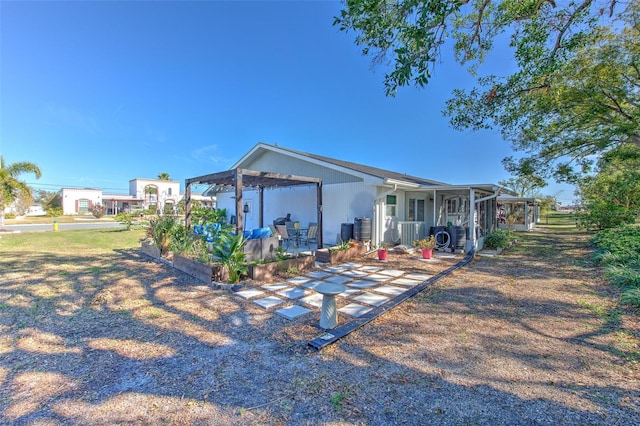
x=530 y=337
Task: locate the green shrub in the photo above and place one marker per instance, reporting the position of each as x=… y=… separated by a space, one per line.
x=623 y=276
x=54 y=211
x=203 y=215
x=618 y=246
x=498 y=239
x=631 y=297
x=126 y=219
x=183 y=242
x=619 y=250
x=9 y=215
x=160 y=230
x=228 y=250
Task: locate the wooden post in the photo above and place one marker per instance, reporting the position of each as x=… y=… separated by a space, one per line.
x=239 y=212
x=261 y=202
x=319 y=206
x=187 y=205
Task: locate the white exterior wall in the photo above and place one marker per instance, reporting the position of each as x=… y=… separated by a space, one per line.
x=168 y=190
x=342 y=203
x=70 y=196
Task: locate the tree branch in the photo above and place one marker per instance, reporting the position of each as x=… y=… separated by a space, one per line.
x=617 y=106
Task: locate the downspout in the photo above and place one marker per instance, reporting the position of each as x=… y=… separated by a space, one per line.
x=378 y=214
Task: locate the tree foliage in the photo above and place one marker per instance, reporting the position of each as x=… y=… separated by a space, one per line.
x=10 y=185
x=524 y=186
x=612 y=197
x=163 y=176
x=575 y=94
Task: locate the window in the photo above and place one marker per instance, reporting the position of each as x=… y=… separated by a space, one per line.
x=391 y=205
x=416 y=210
x=452 y=206
x=169 y=191
x=83 y=206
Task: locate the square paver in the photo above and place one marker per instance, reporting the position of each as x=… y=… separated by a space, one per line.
x=351 y=265
x=268 y=302
x=370 y=268
x=312 y=284
x=354 y=273
x=406 y=281
x=293 y=311
x=298 y=280
x=418 y=277
x=338 y=279
x=389 y=289
x=314 y=299
x=354 y=310
x=335 y=269
x=292 y=293
x=275 y=287
x=318 y=274
x=248 y=294
x=362 y=284
x=371 y=299
x=378 y=278
x=391 y=272
x=349 y=292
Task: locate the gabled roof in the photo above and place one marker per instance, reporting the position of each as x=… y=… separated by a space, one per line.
x=356 y=167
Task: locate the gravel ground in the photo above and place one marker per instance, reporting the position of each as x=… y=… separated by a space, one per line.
x=522 y=338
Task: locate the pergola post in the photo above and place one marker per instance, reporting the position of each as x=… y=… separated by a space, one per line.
x=239 y=212
x=261 y=203
x=187 y=205
x=319 y=204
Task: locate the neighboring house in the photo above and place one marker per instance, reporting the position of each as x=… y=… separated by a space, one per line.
x=518 y=213
x=32 y=210
x=79 y=200
x=144 y=194
x=398 y=207
x=156 y=195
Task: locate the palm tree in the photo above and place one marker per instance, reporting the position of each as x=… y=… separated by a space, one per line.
x=11 y=187
x=163 y=176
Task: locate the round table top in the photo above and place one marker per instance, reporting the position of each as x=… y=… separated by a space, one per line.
x=329 y=288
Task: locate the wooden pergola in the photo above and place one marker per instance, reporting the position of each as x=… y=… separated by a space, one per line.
x=244 y=178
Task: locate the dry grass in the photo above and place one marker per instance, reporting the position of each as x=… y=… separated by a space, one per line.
x=529 y=337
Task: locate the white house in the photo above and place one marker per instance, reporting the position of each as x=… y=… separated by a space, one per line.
x=79 y=200
x=156 y=194
x=397 y=208
x=144 y=194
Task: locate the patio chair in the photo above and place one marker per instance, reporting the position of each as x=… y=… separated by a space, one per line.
x=284 y=234
x=311 y=235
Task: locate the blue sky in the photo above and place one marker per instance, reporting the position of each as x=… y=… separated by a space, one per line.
x=98 y=93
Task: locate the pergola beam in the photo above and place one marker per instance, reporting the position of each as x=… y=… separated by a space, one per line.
x=244 y=178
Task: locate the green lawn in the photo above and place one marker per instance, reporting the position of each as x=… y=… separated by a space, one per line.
x=558 y=220
x=30 y=220
x=75 y=242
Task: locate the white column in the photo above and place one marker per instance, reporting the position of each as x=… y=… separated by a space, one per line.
x=472 y=221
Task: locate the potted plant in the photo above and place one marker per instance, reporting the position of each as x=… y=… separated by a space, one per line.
x=426 y=245
x=383 y=251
